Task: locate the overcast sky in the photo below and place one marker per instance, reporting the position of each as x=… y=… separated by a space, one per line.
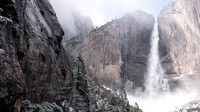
x=102 y=11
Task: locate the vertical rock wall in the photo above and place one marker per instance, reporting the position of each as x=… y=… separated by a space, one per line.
x=180 y=36
x=34 y=64
x=179 y=28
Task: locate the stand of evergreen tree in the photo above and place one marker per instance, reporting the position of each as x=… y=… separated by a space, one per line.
x=81 y=90
x=88 y=95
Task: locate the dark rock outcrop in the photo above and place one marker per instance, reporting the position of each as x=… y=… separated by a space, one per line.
x=32 y=56
x=118 y=49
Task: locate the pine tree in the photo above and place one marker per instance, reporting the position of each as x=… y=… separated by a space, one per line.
x=81 y=81
x=122 y=94
x=87 y=95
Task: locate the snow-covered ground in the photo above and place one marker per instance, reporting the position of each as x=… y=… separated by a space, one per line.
x=193 y=106
x=164 y=103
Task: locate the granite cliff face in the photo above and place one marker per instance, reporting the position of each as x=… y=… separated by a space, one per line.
x=179 y=27
x=32 y=56
x=117 y=50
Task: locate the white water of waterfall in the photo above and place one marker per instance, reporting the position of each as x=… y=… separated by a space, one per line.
x=155 y=81
x=156 y=97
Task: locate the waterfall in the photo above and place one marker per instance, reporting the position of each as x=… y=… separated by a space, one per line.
x=156 y=98
x=155 y=80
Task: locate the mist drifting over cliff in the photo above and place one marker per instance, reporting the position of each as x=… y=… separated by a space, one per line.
x=101 y=11
x=100 y=55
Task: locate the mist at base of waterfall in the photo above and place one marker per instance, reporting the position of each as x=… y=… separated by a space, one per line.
x=157 y=96
x=169 y=102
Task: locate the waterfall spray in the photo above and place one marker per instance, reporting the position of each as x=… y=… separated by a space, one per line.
x=155 y=81
x=154 y=98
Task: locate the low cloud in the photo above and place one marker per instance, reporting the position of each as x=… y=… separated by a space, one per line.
x=102 y=11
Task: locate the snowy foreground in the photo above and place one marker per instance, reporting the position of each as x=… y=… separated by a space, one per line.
x=167 y=103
